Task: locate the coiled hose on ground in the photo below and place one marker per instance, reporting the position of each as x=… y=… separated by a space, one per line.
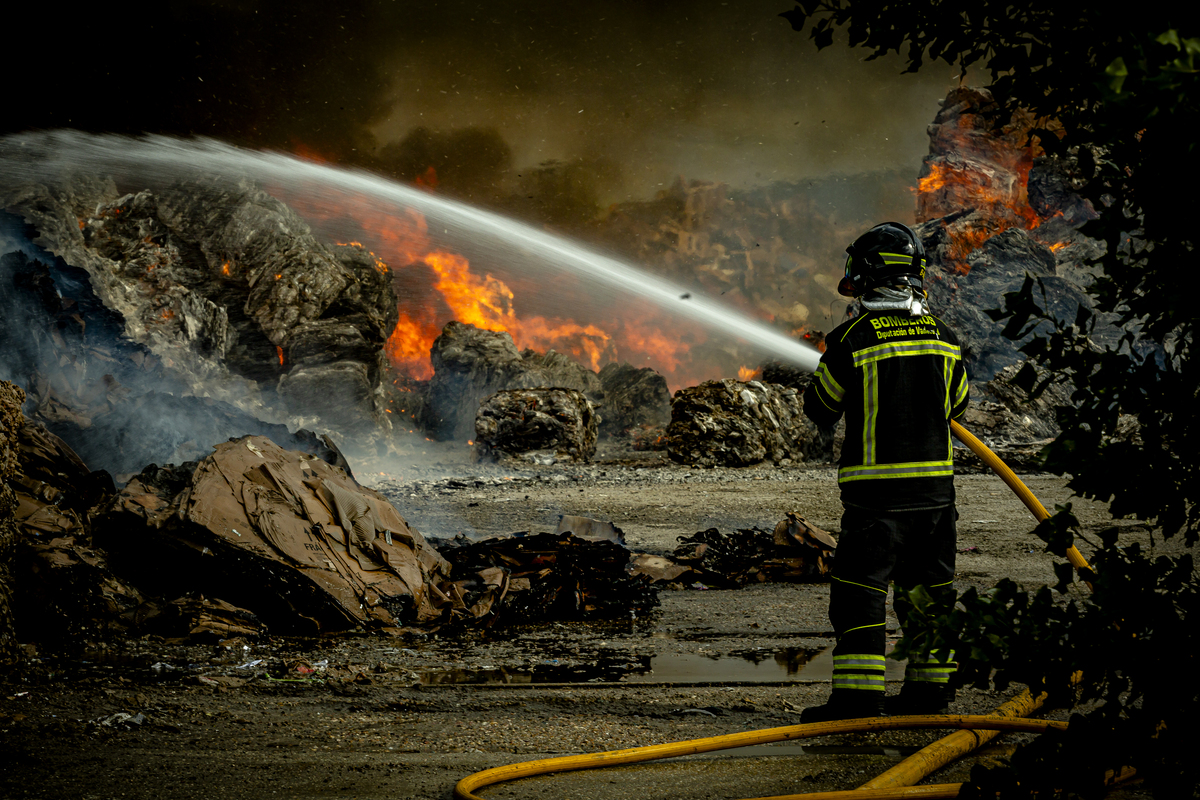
x=897 y=782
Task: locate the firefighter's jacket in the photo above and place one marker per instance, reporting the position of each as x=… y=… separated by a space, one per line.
x=899 y=380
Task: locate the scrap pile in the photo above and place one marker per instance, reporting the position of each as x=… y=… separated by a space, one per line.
x=795 y=551
x=549 y=576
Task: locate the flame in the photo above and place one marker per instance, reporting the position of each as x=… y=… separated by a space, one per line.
x=225 y=269
x=279 y=351
x=435 y=285
x=747 y=373
x=983 y=169
x=408 y=346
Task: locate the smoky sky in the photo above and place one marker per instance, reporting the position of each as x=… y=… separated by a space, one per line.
x=708 y=90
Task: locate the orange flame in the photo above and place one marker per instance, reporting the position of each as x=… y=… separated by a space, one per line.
x=747 y=373
x=983 y=169
x=435 y=286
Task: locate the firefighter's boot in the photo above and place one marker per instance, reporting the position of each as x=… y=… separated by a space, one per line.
x=920 y=697
x=846 y=704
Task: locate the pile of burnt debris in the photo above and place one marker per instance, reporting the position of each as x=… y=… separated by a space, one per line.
x=255 y=538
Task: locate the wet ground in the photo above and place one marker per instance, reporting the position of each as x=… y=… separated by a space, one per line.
x=361 y=717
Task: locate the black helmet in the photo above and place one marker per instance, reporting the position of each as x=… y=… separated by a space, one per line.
x=889 y=254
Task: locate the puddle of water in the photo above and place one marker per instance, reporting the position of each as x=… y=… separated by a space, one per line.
x=789 y=664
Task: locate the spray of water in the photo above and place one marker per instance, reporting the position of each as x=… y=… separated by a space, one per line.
x=154 y=160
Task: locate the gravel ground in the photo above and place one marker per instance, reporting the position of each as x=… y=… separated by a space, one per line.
x=362 y=717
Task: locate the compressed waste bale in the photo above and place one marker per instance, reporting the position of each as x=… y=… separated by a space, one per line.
x=634 y=397
x=283 y=534
x=737 y=423
x=215 y=279
x=470 y=365
x=525 y=420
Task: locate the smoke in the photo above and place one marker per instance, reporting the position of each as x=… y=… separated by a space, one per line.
x=717 y=91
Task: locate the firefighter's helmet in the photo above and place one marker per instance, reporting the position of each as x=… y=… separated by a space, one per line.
x=890 y=254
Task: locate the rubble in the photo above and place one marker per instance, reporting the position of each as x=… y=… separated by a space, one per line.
x=735 y=423
x=795 y=551
x=524 y=420
x=530 y=577
x=197 y=619
x=68 y=590
x=1015 y=428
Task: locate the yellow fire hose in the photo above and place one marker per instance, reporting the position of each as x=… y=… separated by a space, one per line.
x=895 y=783
x=1009 y=477
x=466 y=787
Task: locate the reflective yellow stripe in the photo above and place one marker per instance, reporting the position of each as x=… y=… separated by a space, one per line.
x=913 y=469
x=829 y=384
x=870 y=411
x=865 y=586
x=915 y=347
x=852 y=324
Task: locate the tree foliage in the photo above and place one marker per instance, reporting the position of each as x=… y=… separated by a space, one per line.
x=1124 y=86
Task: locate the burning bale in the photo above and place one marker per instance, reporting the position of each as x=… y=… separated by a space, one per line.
x=94 y=388
x=993 y=210
x=283 y=534
x=525 y=420
x=735 y=424
x=230 y=292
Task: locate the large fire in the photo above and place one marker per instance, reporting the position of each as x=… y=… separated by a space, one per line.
x=984 y=170
x=436 y=285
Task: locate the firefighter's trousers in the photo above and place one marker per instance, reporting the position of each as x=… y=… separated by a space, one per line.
x=908 y=548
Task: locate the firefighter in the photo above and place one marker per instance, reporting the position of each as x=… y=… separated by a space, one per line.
x=896 y=373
